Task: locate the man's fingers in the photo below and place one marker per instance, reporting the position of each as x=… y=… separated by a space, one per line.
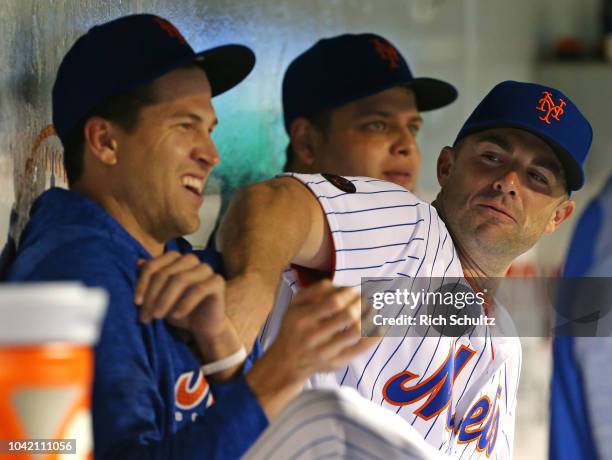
x=158 y=279
x=147 y=269
x=176 y=284
x=348 y=337
x=209 y=293
x=341 y=299
x=368 y=327
x=345 y=345
x=165 y=285
x=327 y=301
x=347 y=318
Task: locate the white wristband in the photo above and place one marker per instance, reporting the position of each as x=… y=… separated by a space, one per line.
x=225 y=363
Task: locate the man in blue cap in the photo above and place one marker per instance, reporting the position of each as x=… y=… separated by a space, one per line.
x=505 y=183
x=132 y=105
x=555 y=139
x=351 y=106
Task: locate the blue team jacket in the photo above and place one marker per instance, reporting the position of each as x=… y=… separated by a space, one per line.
x=149 y=398
x=580 y=416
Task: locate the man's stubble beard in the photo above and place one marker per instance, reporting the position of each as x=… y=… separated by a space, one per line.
x=486 y=254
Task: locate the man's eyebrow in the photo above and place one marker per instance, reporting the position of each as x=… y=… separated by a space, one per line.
x=497 y=140
x=368 y=112
x=417 y=118
x=193 y=116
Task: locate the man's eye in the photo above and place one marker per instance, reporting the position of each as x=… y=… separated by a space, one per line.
x=491 y=157
x=414 y=129
x=376 y=126
x=538 y=178
x=185 y=126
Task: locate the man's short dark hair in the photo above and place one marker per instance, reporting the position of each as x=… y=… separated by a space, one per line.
x=122 y=109
x=321 y=121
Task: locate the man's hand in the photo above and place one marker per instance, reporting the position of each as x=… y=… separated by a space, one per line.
x=184 y=291
x=320 y=332
x=189 y=295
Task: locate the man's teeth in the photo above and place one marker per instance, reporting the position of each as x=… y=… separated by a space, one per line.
x=197 y=185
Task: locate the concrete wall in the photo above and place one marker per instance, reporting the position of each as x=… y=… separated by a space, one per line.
x=473 y=43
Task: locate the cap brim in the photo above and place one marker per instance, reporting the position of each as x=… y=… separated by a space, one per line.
x=574 y=177
x=432 y=93
x=226 y=66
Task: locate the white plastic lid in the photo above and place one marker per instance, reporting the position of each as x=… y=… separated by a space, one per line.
x=32 y=313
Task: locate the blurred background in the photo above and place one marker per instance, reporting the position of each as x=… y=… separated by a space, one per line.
x=473 y=44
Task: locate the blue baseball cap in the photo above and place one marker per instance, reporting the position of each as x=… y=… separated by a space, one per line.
x=543 y=111
x=341 y=69
x=132 y=51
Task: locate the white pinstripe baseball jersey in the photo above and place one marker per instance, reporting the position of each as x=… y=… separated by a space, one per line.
x=458 y=393
x=339 y=424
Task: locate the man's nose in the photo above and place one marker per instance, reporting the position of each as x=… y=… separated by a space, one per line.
x=206 y=153
x=509 y=183
x=405 y=143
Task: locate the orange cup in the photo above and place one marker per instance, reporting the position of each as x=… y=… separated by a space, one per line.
x=46 y=369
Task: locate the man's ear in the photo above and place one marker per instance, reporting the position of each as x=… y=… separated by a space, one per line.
x=561 y=214
x=99 y=139
x=446 y=161
x=303 y=140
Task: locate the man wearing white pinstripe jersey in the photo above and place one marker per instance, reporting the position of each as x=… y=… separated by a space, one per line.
x=504 y=183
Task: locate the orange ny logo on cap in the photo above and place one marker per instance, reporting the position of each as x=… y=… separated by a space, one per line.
x=547 y=105
x=387 y=52
x=170 y=30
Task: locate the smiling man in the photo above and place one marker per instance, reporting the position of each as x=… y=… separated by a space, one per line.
x=132 y=105
x=504 y=184
x=352 y=107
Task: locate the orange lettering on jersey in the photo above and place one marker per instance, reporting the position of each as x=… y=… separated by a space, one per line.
x=481 y=424
x=189 y=396
x=550 y=109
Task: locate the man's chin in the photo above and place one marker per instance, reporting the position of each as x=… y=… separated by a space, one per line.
x=495 y=237
x=494 y=231
x=189 y=226
x=408 y=184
